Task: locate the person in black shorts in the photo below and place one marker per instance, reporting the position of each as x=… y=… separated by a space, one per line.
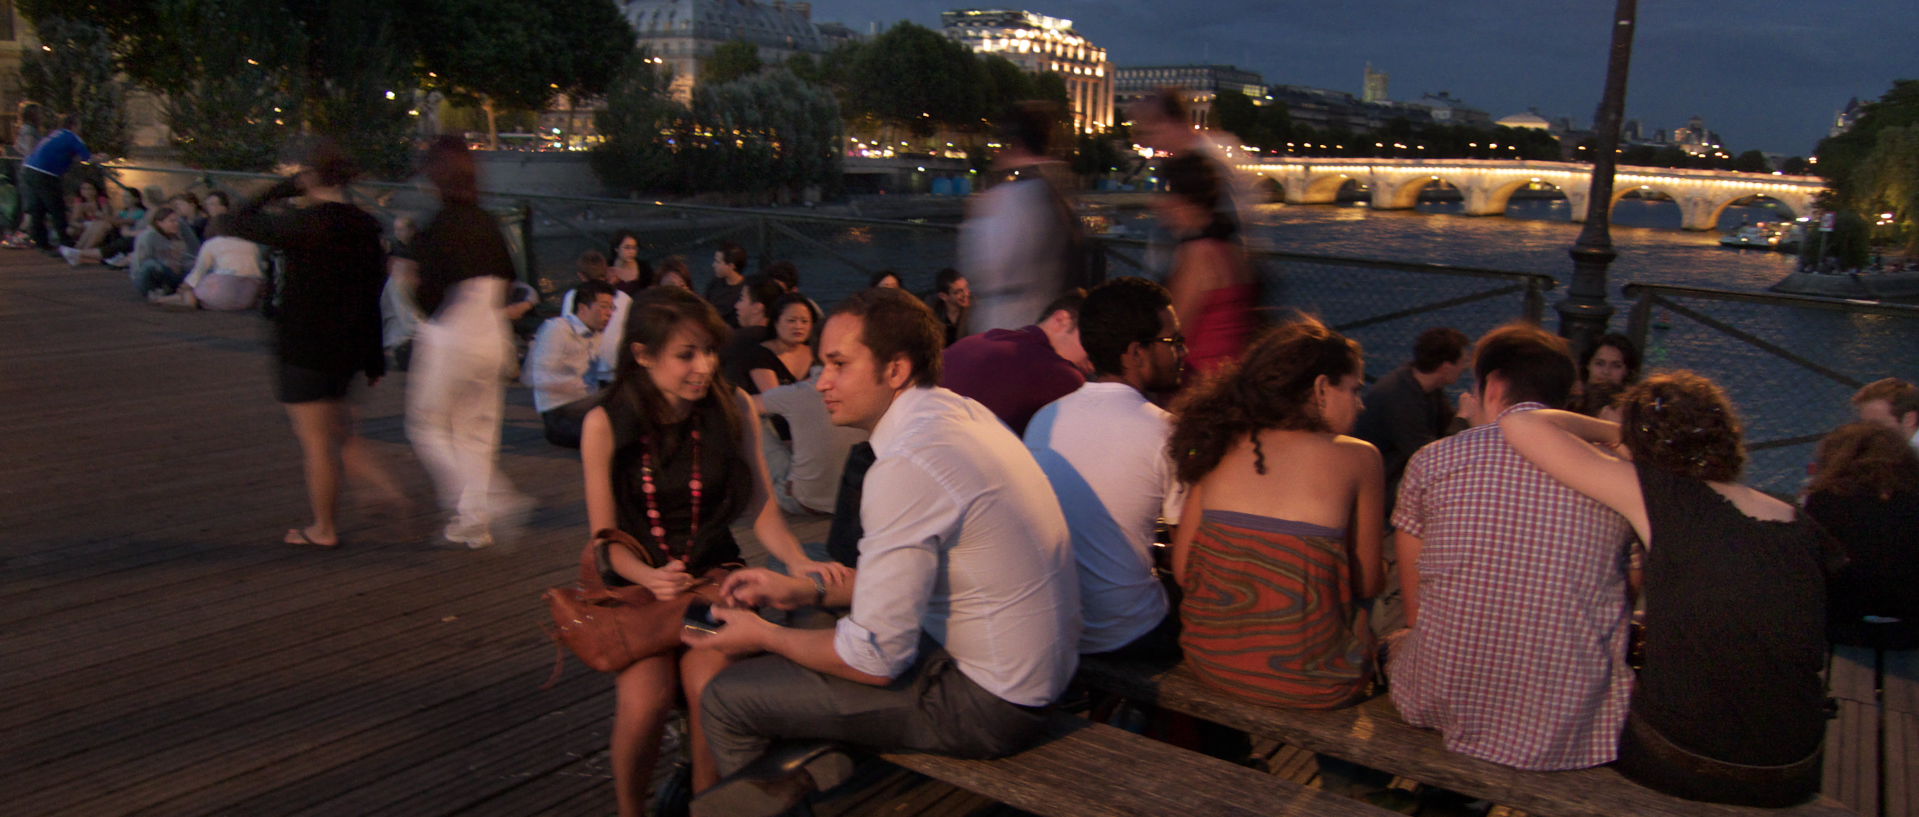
x=327 y=329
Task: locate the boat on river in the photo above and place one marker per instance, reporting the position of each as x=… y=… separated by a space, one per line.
x=1781 y=236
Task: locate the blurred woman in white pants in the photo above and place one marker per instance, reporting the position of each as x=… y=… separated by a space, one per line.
x=463 y=354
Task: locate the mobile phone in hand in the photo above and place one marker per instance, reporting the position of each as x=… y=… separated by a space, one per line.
x=699 y=616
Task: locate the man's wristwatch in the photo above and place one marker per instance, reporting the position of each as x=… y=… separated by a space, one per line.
x=819 y=590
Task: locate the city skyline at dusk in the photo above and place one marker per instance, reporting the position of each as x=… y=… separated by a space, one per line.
x=1770 y=77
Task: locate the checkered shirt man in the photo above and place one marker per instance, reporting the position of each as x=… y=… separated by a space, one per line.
x=1519 y=652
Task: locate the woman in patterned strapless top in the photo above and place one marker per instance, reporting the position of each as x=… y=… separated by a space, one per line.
x=1280 y=540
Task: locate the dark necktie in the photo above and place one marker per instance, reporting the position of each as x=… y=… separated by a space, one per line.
x=843 y=539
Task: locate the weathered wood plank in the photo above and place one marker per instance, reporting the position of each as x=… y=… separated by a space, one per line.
x=1372 y=733
x=1134 y=775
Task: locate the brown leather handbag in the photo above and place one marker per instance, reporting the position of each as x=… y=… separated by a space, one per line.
x=610 y=627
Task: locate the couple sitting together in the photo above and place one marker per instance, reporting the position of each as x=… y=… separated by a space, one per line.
x=985 y=565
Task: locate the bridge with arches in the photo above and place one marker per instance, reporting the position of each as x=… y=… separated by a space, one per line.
x=1487 y=185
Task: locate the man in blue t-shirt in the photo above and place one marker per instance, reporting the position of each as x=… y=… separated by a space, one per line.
x=44 y=169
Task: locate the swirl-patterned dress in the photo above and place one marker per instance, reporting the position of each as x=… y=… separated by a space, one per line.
x=1268 y=612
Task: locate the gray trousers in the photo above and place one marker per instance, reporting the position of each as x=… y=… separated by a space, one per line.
x=932 y=708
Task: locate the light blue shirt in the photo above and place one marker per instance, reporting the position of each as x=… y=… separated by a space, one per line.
x=964 y=543
x=1103 y=447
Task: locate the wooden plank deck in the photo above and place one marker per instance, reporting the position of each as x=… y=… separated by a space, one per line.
x=162 y=654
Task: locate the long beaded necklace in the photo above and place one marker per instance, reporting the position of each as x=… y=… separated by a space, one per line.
x=658 y=528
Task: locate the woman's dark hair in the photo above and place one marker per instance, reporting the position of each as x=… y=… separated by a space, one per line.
x=945 y=279
x=1196 y=180
x=651 y=321
x=1116 y=315
x=613 y=249
x=330 y=164
x=1627 y=350
x=896 y=324
x=219 y=225
x=1682 y=422
x=1028 y=125
x=874 y=281
x=160 y=214
x=1270 y=386
x=779 y=306
x=449 y=165
x=1865 y=459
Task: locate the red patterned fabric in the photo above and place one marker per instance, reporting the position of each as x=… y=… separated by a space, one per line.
x=1519 y=655
x=1267 y=612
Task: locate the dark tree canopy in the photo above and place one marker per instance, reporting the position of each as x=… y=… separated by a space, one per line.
x=730 y=61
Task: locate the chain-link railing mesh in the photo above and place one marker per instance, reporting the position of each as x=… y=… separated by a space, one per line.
x=1790 y=365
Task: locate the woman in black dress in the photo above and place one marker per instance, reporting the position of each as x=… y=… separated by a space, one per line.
x=1729 y=706
x=672 y=457
x=327 y=327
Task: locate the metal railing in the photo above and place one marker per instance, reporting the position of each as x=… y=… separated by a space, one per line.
x=1384 y=304
x=1790 y=362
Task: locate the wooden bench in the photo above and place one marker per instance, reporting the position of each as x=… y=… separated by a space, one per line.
x=1373 y=733
x=1086 y=769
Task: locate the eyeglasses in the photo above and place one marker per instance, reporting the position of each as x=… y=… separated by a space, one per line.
x=1177 y=341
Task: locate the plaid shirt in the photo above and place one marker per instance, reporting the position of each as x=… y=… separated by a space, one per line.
x=1519 y=655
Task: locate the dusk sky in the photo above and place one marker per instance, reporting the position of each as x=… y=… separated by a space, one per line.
x=1765 y=74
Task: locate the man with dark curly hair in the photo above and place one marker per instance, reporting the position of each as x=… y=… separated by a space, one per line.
x=1514 y=584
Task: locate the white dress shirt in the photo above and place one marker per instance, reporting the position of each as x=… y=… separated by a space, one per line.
x=559 y=362
x=1104 y=449
x=606 y=360
x=965 y=543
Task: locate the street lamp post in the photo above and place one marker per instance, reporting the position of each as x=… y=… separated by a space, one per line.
x=1584 y=311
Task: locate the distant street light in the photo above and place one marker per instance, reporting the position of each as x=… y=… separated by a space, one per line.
x=1584 y=312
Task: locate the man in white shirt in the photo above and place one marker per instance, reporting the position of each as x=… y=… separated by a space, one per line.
x=559 y=365
x=965 y=612
x=1104 y=449
x=1893 y=403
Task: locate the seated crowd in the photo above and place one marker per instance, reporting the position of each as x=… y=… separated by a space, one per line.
x=997 y=499
x=965 y=478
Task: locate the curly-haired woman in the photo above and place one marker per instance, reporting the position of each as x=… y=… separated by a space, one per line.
x=1279 y=543
x=1866 y=492
x=1729 y=707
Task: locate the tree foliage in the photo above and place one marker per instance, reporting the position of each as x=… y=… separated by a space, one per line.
x=237 y=97
x=1886 y=181
x=913 y=77
x=1871 y=166
x=74 y=74
x=764 y=135
x=730 y=61
x=643 y=127
x=341 y=59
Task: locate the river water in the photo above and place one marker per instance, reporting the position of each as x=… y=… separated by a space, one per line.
x=1778 y=399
